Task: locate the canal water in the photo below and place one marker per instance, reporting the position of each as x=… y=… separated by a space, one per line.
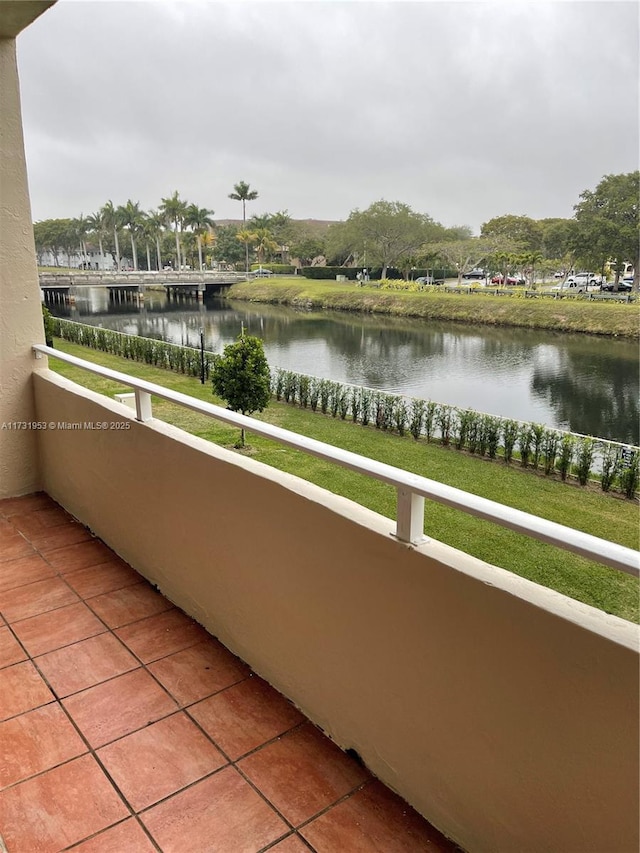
x=582 y=383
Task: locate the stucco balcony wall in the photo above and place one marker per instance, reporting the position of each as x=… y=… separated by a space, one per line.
x=505 y=713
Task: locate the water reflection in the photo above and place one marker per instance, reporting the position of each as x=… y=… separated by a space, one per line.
x=577 y=382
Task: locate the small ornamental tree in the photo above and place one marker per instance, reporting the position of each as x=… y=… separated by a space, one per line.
x=241 y=377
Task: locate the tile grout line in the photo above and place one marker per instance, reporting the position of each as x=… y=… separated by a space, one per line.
x=184 y=709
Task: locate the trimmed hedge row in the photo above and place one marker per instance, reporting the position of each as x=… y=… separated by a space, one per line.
x=374 y=273
x=147 y=350
x=533 y=445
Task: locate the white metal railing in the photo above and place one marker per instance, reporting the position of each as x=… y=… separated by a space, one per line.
x=411 y=489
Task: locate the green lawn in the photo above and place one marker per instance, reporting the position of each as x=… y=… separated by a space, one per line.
x=589 y=510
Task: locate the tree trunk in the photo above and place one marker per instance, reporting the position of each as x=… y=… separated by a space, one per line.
x=159 y=253
x=200 y=252
x=115 y=235
x=148 y=258
x=134 y=252
x=246 y=245
x=177 y=250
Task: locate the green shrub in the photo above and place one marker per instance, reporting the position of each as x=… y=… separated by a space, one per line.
x=314 y=394
x=586 y=449
x=50 y=326
x=290 y=386
x=629 y=475
x=325 y=395
x=304 y=386
x=567 y=446
x=343 y=402
x=430 y=412
x=417 y=418
x=525 y=439
x=610 y=463
x=328 y=272
x=365 y=406
x=549 y=450
x=510 y=430
x=400 y=416
x=493 y=436
x=444 y=420
x=537 y=431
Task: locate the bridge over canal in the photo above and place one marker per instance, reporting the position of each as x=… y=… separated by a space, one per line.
x=67 y=287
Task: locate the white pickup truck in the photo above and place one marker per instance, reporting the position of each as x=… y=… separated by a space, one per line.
x=582 y=280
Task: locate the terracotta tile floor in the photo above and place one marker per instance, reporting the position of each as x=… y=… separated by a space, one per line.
x=126 y=728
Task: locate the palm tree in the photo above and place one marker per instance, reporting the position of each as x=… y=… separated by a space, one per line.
x=96 y=225
x=130 y=216
x=246 y=237
x=155 y=223
x=265 y=244
x=199 y=220
x=148 y=235
x=243 y=192
x=173 y=210
x=112 y=221
x=82 y=229
x=262 y=221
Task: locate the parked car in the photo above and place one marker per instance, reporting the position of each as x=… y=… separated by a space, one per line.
x=624 y=286
x=511 y=279
x=477 y=273
x=262 y=273
x=585 y=278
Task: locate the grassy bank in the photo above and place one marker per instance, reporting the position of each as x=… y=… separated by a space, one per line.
x=596 y=318
x=589 y=510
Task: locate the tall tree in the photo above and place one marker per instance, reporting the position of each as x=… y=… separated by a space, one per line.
x=246 y=237
x=155 y=223
x=265 y=245
x=131 y=216
x=97 y=227
x=385 y=233
x=525 y=233
x=608 y=226
x=174 y=210
x=465 y=255
x=242 y=192
x=112 y=222
x=81 y=225
x=227 y=248
x=199 y=220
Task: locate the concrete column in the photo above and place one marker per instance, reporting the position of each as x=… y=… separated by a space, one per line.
x=20 y=311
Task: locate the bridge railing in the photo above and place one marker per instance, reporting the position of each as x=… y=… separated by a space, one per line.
x=141 y=277
x=411 y=489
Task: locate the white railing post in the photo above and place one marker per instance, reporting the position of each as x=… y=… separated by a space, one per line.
x=143 y=406
x=410 y=517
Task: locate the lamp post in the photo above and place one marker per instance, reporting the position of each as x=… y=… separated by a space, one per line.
x=202 y=356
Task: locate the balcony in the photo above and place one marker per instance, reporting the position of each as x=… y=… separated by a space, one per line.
x=501 y=711
x=132 y=728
